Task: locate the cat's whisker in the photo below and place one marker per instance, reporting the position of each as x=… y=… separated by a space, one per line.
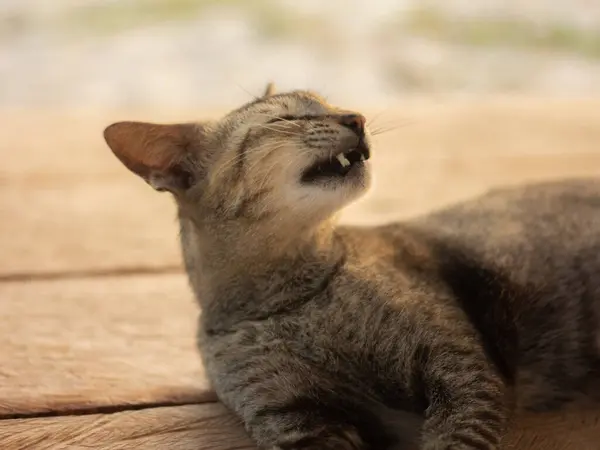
x=254 y=97
x=376 y=116
x=264 y=151
x=301 y=154
x=239 y=156
x=265 y=154
x=383 y=130
x=229 y=163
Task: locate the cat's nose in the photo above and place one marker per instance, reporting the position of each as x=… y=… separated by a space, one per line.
x=356 y=122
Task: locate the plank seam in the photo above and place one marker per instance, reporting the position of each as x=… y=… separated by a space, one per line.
x=91 y=273
x=108 y=409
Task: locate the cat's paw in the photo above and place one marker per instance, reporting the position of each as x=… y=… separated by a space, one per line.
x=439 y=445
x=329 y=439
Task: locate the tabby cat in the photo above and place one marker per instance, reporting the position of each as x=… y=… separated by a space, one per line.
x=430 y=332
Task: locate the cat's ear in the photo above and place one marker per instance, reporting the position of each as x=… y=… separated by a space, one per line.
x=163 y=155
x=269 y=90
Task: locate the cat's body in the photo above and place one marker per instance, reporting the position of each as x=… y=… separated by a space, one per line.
x=502 y=288
x=325 y=337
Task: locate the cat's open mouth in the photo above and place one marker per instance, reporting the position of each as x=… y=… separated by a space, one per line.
x=338 y=165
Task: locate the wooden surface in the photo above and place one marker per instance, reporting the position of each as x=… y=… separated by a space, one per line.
x=96 y=319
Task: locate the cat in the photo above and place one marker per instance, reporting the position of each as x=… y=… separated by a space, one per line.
x=430 y=332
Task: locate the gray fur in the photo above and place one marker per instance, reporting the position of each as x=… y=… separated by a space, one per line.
x=319 y=336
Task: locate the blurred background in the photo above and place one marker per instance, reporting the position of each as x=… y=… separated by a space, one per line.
x=464 y=94
x=208 y=53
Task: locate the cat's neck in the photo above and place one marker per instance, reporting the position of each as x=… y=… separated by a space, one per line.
x=223 y=263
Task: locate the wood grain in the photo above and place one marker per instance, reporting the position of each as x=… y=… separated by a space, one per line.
x=211 y=427
x=83 y=344
x=196 y=427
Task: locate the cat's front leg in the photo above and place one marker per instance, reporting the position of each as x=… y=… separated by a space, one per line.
x=286 y=404
x=304 y=428
x=468 y=401
x=329 y=438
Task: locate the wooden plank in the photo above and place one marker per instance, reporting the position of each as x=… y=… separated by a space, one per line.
x=74 y=208
x=124 y=225
x=75 y=346
x=211 y=427
x=46 y=145
x=197 y=427
x=90 y=343
x=86 y=227
x=417 y=185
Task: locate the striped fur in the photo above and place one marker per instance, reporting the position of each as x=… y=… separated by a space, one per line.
x=424 y=334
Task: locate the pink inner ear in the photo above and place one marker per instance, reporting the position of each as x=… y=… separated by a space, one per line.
x=146 y=147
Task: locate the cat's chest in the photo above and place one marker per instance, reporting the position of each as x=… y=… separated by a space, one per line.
x=354 y=333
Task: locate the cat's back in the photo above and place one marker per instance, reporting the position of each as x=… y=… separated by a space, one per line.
x=526 y=232
x=523 y=262
x=530 y=232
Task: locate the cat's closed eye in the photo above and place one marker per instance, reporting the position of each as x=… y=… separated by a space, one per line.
x=288 y=118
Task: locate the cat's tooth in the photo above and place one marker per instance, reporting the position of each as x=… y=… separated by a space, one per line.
x=343 y=160
x=362 y=157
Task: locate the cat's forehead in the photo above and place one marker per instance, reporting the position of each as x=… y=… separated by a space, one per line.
x=288 y=103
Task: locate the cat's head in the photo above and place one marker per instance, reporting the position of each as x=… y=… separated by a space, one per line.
x=287 y=158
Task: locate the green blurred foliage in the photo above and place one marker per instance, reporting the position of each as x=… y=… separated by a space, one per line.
x=503 y=31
